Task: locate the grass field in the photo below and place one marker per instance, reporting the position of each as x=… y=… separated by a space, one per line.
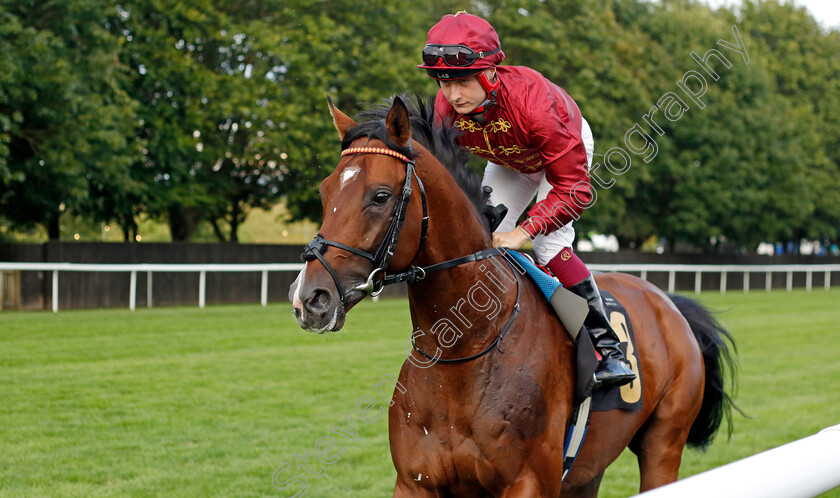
x=189 y=402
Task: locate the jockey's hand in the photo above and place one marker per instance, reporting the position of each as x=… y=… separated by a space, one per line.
x=510 y=240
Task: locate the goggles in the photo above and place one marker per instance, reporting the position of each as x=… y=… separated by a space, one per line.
x=453 y=55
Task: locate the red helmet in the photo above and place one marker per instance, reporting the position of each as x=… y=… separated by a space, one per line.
x=460 y=46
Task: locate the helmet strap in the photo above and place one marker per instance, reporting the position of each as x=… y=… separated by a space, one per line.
x=477 y=115
x=490 y=88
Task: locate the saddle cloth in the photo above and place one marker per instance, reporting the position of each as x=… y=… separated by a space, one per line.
x=626 y=397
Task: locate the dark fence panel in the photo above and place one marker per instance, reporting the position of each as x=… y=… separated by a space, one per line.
x=99 y=289
x=34 y=290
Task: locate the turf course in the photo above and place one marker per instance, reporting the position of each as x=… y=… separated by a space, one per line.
x=188 y=402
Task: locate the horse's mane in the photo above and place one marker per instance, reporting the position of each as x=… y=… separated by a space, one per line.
x=436 y=138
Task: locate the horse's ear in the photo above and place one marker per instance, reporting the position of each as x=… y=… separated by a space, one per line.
x=398 y=123
x=342 y=121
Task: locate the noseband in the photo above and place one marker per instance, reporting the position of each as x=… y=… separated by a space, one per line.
x=380 y=259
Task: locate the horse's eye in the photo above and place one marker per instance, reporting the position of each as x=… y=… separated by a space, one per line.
x=381 y=198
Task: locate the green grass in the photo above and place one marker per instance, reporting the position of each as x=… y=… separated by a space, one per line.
x=189 y=402
x=788 y=378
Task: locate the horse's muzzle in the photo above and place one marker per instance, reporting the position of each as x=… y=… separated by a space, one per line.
x=316 y=309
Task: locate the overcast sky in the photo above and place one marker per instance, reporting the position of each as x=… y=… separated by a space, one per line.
x=826 y=12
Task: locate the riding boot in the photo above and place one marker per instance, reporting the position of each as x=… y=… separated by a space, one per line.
x=613 y=369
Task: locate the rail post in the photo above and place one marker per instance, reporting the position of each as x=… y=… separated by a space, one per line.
x=132 y=293
x=148 y=289
x=264 y=289
x=202 y=288
x=55 y=291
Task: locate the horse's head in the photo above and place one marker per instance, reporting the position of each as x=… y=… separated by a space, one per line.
x=371 y=220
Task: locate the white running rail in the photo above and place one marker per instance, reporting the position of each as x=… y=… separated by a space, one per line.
x=723 y=270
x=149 y=269
x=804 y=468
x=202 y=269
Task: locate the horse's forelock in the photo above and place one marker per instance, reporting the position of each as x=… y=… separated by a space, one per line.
x=439 y=140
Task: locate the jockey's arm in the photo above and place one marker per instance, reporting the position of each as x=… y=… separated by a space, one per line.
x=564 y=155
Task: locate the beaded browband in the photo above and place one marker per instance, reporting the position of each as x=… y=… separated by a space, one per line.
x=375 y=150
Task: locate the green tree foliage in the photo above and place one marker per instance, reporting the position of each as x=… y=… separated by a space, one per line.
x=61 y=110
x=174 y=52
x=804 y=62
x=356 y=52
x=232 y=99
x=202 y=110
x=732 y=170
x=757 y=162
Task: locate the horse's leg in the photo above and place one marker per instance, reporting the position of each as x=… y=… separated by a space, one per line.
x=660 y=443
x=526 y=485
x=660 y=454
x=588 y=490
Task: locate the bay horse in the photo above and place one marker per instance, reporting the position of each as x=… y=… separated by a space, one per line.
x=486 y=411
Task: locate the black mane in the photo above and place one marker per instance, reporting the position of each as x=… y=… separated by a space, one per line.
x=438 y=139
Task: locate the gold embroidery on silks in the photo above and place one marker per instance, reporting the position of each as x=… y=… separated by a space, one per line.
x=532 y=168
x=510 y=150
x=500 y=125
x=501 y=149
x=496 y=126
x=467 y=125
x=522 y=168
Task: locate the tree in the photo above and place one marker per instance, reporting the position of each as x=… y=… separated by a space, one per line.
x=62 y=111
x=164 y=45
x=804 y=62
x=356 y=52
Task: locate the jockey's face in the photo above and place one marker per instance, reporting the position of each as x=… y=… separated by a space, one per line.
x=465 y=95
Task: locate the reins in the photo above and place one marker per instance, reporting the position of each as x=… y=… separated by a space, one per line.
x=380 y=259
x=508 y=325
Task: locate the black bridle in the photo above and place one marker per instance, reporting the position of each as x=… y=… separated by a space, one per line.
x=380 y=259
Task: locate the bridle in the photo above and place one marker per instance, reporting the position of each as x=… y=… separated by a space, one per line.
x=380 y=259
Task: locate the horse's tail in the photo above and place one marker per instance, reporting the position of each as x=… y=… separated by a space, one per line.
x=718 y=349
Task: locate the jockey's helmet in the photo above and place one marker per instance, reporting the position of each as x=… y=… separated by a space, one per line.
x=460 y=46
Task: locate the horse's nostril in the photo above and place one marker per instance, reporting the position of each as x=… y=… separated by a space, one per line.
x=318 y=302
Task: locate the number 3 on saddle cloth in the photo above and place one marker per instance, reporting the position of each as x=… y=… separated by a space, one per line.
x=572 y=310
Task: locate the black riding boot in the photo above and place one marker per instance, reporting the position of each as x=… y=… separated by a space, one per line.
x=613 y=369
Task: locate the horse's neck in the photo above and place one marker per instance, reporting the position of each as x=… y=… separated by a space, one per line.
x=472 y=301
x=455 y=226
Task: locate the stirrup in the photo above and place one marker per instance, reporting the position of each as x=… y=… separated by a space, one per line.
x=615 y=377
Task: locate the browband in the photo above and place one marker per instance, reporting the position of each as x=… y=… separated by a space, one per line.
x=375 y=150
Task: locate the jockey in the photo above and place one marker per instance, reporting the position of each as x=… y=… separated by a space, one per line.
x=536 y=143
